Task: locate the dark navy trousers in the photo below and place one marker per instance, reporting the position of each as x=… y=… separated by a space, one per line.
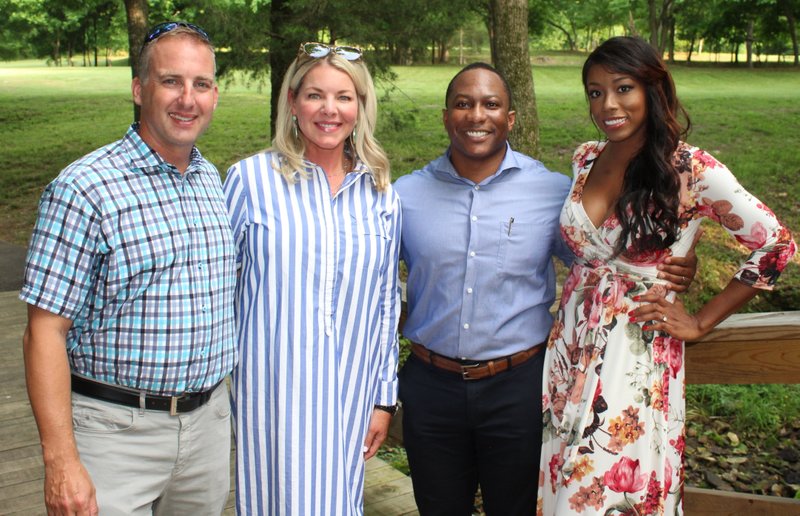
x=461 y=434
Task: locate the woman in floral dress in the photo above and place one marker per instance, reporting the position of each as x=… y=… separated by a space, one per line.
x=613 y=387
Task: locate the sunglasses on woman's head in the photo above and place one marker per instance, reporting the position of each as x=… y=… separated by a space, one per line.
x=319 y=50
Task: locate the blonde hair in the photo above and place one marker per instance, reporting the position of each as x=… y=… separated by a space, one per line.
x=365 y=147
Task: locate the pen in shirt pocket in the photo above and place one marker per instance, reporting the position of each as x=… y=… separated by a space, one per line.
x=510 y=223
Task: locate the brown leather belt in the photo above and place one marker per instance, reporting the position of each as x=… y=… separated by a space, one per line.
x=478 y=369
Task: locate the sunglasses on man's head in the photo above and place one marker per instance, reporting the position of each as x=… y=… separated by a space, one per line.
x=162 y=28
x=319 y=50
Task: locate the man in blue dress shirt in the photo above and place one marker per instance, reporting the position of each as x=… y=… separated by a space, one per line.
x=129 y=284
x=480 y=229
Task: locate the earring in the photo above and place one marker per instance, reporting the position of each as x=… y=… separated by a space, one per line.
x=294 y=126
x=354 y=133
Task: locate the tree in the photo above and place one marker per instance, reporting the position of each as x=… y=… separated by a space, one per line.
x=791 y=9
x=580 y=23
x=691 y=21
x=660 y=22
x=136 y=11
x=509 y=20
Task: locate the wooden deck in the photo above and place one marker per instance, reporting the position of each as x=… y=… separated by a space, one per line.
x=388 y=492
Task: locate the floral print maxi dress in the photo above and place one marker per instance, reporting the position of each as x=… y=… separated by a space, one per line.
x=613 y=395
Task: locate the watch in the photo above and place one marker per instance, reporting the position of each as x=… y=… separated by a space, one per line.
x=391 y=409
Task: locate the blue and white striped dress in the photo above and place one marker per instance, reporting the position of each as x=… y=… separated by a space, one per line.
x=317 y=305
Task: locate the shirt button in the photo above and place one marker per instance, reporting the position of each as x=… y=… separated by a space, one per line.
x=477 y=187
x=474 y=218
x=204 y=308
x=469 y=290
x=472 y=253
x=466 y=326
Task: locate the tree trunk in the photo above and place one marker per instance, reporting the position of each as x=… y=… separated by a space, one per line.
x=631 y=24
x=490 y=28
x=96 y=51
x=570 y=40
x=660 y=21
x=652 y=18
x=57 y=49
x=284 y=38
x=136 y=11
x=792 y=24
x=671 y=45
x=510 y=31
x=749 y=43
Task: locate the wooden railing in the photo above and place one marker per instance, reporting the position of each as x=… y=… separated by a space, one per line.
x=744 y=349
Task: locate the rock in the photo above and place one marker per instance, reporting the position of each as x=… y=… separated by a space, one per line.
x=736 y=460
x=790 y=455
x=717 y=482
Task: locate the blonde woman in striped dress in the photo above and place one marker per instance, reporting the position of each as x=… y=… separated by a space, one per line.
x=317 y=226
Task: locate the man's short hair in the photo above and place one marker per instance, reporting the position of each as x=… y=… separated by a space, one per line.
x=478 y=65
x=180 y=31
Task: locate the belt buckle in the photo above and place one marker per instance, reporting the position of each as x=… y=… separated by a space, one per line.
x=465 y=369
x=173 y=404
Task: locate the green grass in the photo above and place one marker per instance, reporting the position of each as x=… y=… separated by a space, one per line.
x=754 y=408
x=748 y=119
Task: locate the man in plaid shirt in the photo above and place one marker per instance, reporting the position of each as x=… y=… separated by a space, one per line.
x=129 y=284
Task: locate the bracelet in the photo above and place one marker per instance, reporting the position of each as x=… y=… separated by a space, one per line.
x=391 y=409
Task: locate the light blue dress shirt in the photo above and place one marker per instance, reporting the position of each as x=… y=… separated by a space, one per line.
x=481 y=279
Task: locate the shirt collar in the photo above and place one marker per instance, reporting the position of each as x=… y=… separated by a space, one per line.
x=445 y=167
x=359 y=168
x=148 y=160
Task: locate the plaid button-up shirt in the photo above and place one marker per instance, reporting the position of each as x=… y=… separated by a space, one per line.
x=141 y=259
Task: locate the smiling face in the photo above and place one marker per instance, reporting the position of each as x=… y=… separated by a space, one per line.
x=618 y=105
x=478 y=120
x=178 y=97
x=326 y=107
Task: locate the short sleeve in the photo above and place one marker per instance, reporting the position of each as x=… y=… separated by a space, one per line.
x=64 y=252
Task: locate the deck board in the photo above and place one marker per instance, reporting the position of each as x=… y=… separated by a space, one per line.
x=387 y=492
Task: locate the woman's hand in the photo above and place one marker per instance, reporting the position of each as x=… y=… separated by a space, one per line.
x=658 y=314
x=377 y=432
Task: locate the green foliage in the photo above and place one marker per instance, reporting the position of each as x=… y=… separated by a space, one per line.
x=755 y=408
x=50 y=117
x=395 y=456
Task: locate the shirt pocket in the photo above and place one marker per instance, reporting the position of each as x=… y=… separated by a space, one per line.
x=517 y=246
x=370 y=241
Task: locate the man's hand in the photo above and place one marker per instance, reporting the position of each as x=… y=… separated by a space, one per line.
x=679 y=272
x=377 y=432
x=68 y=489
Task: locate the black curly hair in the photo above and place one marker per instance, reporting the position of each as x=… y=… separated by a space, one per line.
x=648 y=204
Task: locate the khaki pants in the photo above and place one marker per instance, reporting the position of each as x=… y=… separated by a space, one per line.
x=148 y=462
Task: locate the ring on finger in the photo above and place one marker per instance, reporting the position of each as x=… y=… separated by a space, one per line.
x=664 y=318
